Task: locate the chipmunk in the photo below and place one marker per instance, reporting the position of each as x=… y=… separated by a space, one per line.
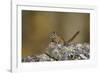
x=60 y=40
x=56 y=38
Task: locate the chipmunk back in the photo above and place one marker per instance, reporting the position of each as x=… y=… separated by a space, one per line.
x=60 y=40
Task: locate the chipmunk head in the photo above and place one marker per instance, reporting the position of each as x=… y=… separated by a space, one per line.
x=53 y=35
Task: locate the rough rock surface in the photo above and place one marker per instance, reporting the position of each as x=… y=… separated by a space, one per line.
x=58 y=52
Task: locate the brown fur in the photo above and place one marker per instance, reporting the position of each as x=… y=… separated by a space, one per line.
x=60 y=40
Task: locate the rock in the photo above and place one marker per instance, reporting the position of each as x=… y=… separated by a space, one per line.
x=58 y=52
